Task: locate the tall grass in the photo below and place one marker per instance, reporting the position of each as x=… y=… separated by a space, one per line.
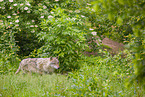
x=33 y=85
x=105 y=77
x=97 y=77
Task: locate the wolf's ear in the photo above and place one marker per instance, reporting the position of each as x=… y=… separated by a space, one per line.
x=51 y=58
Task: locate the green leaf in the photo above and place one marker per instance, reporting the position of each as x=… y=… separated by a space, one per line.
x=110 y=16
x=61 y=55
x=119 y=21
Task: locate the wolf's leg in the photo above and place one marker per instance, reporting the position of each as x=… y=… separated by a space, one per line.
x=24 y=71
x=24 y=68
x=18 y=70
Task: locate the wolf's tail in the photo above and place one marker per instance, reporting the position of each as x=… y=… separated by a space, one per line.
x=18 y=69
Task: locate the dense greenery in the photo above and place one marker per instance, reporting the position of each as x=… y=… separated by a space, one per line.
x=64 y=36
x=63 y=28
x=130 y=12
x=97 y=77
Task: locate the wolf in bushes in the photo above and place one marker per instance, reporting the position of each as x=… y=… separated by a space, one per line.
x=39 y=65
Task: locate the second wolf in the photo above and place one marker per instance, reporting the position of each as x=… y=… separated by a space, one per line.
x=39 y=65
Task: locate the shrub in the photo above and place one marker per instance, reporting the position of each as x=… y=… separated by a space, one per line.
x=8 y=48
x=102 y=77
x=64 y=36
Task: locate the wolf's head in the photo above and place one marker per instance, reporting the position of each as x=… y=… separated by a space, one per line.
x=54 y=62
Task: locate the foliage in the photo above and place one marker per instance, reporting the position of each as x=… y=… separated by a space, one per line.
x=44 y=28
x=8 y=48
x=137 y=47
x=23 y=19
x=14 y=23
x=129 y=12
x=103 y=77
x=20 y=24
x=97 y=77
x=63 y=37
x=100 y=23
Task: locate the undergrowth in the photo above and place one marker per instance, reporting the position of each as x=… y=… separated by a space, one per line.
x=33 y=85
x=98 y=77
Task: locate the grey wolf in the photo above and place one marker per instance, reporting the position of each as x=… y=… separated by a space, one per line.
x=39 y=65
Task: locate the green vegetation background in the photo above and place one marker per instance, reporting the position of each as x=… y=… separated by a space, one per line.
x=44 y=28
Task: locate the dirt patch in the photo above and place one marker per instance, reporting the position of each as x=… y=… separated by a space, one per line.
x=112 y=46
x=115 y=46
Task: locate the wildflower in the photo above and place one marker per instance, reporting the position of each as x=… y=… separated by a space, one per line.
x=91 y=29
x=31 y=25
x=15 y=4
x=33 y=21
x=10 y=0
x=28 y=23
x=14 y=14
x=50 y=16
x=82 y=16
x=42 y=17
x=44 y=7
x=17 y=21
x=28 y=4
x=28 y=11
x=33 y=31
x=21 y=4
x=1 y=0
x=88 y=4
x=94 y=33
x=25 y=8
x=36 y=26
x=8 y=16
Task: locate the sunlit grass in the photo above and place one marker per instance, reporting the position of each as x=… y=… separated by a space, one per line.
x=97 y=77
x=33 y=85
x=106 y=78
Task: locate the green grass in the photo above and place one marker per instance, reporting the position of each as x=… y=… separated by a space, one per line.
x=97 y=77
x=95 y=81
x=33 y=85
x=104 y=77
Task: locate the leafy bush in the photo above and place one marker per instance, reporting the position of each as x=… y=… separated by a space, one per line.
x=64 y=36
x=11 y=23
x=103 y=77
x=26 y=20
x=19 y=24
x=8 y=49
x=130 y=13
